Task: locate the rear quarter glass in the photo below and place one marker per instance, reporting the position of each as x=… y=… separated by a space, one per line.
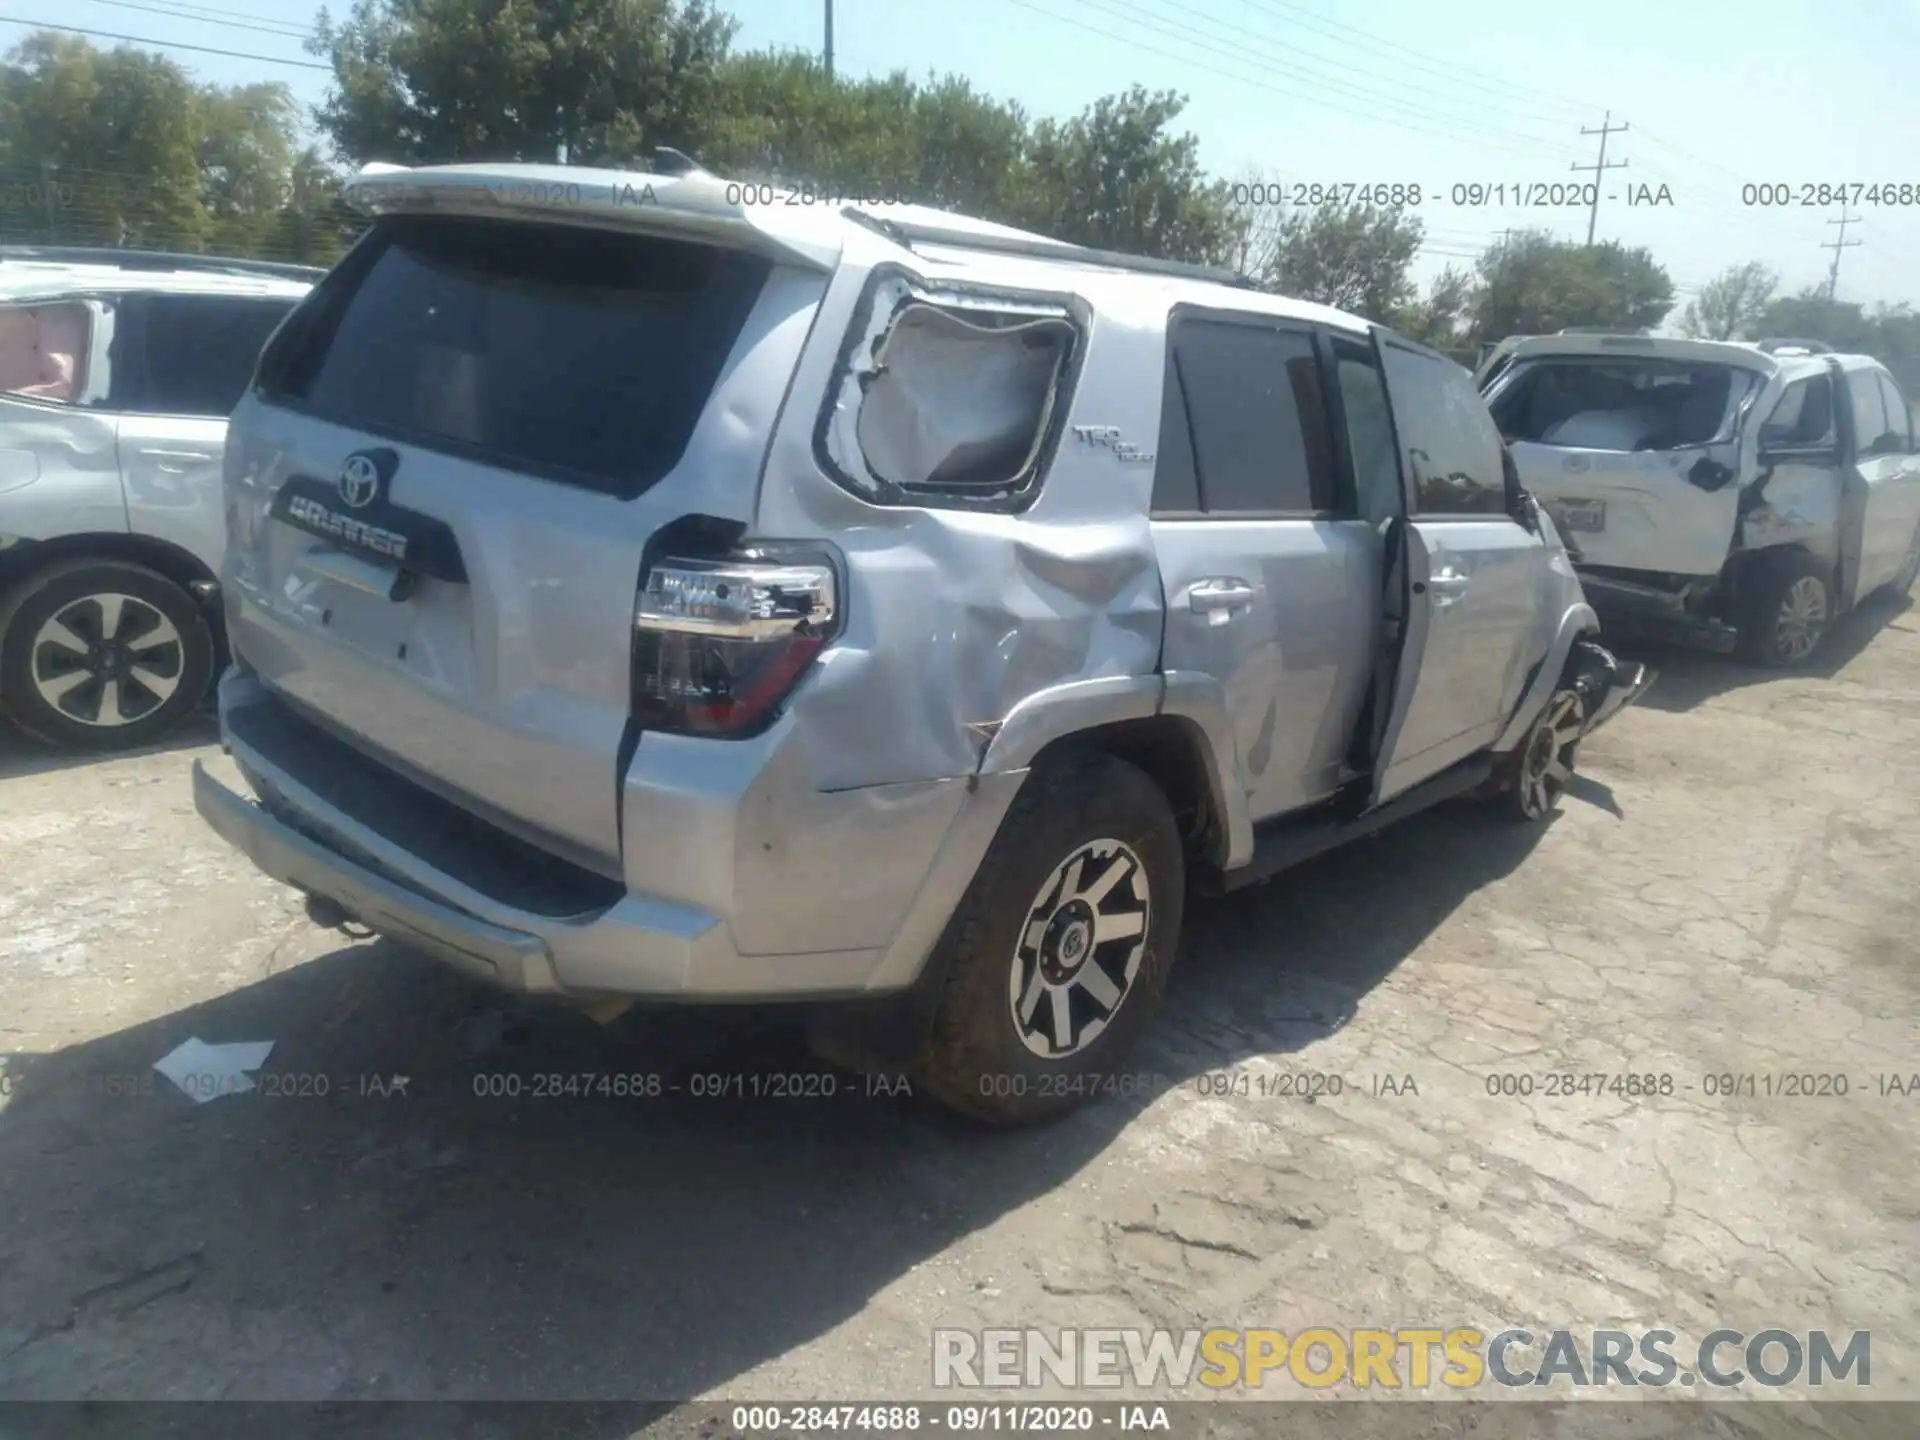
x=581 y=356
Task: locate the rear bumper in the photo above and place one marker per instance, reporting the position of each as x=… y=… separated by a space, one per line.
x=639 y=946
x=513 y=959
x=1631 y=682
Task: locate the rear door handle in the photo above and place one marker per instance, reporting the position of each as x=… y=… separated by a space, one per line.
x=174 y=461
x=1448 y=585
x=1219 y=596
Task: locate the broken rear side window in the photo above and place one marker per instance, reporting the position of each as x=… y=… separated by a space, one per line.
x=1620 y=405
x=948 y=398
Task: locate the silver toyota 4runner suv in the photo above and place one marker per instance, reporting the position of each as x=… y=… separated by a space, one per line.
x=638 y=594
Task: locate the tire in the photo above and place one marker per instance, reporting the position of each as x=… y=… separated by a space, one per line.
x=60 y=684
x=1786 y=611
x=1535 y=775
x=1025 y=933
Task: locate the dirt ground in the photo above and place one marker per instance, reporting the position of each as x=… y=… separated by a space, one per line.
x=1729 y=890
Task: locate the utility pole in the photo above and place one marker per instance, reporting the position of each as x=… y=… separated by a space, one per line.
x=829 y=39
x=1833 y=273
x=1607 y=127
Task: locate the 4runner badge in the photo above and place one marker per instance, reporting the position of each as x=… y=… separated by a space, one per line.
x=1109 y=436
x=359 y=481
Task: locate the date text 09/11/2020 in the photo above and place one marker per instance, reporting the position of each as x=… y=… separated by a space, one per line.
x=1467 y=194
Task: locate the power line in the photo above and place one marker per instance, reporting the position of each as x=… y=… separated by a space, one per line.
x=180 y=12
x=1478 y=101
x=1311 y=99
x=1239 y=52
x=1833 y=275
x=165 y=44
x=1374 y=43
x=1607 y=127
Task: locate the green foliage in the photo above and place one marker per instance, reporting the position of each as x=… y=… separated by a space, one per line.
x=121 y=147
x=1533 y=284
x=1730 y=305
x=1354 y=257
x=441 y=81
x=1116 y=177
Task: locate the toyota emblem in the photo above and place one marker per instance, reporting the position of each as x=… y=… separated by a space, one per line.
x=359 y=481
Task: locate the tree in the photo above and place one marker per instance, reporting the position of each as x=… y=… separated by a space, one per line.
x=1533 y=284
x=108 y=141
x=1439 y=320
x=1256 y=213
x=1810 y=315
x=1730 y=305
x=942 y=143
x=1353 y=257
x=1115 y=177
x=438 y=81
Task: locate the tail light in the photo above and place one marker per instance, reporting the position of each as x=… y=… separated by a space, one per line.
x=718 y=645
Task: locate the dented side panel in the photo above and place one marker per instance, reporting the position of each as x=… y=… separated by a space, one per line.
x=1795 y=503
x=957 y=615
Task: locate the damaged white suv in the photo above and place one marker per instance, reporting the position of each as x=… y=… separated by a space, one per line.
x=633 y=594
x=1740 y=496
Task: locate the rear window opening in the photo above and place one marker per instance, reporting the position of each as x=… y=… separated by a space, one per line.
x=949 y=398
x=1620 y=404
x=583 y=356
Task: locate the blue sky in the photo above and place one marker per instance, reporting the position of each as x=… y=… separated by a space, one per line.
x=1715 y=94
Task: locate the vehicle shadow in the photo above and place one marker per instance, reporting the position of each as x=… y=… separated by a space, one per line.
x=21 y=755
x=1688 y=677
x=462 y=1237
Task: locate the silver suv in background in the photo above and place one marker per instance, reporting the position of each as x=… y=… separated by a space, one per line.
x=1742 y=496
x=117 y=371
x=635 y=594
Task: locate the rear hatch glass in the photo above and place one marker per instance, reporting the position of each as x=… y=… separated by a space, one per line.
x=582 y=356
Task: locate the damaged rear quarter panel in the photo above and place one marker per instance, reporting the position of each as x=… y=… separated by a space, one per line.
x=956 y=615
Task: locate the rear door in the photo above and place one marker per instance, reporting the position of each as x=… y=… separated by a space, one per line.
x=180 y=365
x=1270 y=578
x=1883 y=480
x=59 y=474
x=524 y=405
x=1473 y=575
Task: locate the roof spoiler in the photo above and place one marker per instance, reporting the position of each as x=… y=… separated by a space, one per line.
x=675 y=199
x=155 y=260
x=1786 y=346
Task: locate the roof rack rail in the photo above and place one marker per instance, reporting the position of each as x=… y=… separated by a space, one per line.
x=909 y=233
x=155 y=260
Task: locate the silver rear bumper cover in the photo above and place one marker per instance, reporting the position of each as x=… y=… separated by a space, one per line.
x=511 y=958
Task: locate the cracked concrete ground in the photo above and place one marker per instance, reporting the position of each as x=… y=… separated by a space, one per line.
x=1728 y=892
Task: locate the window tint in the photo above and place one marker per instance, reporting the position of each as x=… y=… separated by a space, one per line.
x=583 y=355
x=1363 y=396
x=1803 y=415
x=189 y=354
x=1899 y=415
x=1451 y=446
x=43 y=350
x=1257 y=416
x=1869 y=412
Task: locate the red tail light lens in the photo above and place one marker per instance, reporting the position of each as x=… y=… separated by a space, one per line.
x=718 y=645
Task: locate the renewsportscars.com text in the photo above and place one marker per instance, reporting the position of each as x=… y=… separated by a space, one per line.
x=1458 y=1358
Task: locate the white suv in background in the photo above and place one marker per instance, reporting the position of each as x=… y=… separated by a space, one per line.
x=118 y=369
